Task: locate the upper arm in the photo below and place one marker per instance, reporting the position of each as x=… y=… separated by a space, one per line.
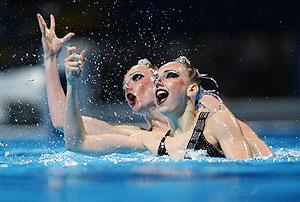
x=227 y=131
x=130 y=130
x=92 y=126
x=109 y=143
x=259 y=147
x=96 y=126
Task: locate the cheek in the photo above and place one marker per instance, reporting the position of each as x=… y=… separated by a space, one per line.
x=177 y=88
x=146 y=88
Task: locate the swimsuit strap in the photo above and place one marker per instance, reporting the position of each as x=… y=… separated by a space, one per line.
x=199 y=127
x=198 y=141
x=162 y=149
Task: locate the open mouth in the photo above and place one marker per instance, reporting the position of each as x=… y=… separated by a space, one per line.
x=131 y=99
x=161 y=96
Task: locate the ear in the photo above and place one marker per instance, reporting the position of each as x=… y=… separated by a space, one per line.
x=192 y=90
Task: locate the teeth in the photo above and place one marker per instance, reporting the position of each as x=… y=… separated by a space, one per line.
x=162 y=94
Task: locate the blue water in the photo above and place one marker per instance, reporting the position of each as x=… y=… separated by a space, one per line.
x=44 y=171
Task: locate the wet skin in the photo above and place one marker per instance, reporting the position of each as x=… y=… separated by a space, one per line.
x=172 y=83
x=171 y=97
x=138 y=88
x=175 y=98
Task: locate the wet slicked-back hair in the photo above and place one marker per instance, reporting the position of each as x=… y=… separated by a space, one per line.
x=193 y=73
x=146 y=62
x=196 y=77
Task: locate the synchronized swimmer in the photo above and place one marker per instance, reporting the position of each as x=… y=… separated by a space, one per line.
x=166 y=97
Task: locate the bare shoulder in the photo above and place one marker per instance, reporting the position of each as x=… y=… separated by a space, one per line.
x=223 y=123
x=222 y=115
x=213 y=103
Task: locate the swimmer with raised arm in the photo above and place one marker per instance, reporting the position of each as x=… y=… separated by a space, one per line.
x=138 y=84
x=139 y=92
x=231 y=144
x=140 y=87
x=52 y=46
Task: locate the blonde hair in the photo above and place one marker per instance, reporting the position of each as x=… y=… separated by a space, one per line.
x=193 y=73
x=196 y=77
x=146 y=62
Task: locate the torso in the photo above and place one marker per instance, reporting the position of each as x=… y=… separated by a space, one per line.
x=176 y=144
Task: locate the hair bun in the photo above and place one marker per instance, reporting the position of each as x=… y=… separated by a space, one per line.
x=183 y=60
x=144 y=61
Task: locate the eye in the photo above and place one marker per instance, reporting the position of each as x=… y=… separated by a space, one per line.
x=137 y=77
x=172 y=75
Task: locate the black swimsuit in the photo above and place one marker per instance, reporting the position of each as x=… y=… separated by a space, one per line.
x=197 y=141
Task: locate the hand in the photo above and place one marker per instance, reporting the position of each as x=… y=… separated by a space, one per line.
x=51 y=43
x=74 y=65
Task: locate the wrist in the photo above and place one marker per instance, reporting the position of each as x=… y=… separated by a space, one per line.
x=51 y=56
x=72 y=89
x=72 y=83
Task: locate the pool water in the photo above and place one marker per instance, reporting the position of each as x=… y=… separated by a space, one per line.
x=42 y=170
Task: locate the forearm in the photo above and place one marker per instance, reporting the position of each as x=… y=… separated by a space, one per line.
x=55 y=93
x=97 y=127
x=110 y=143
x=74 y=130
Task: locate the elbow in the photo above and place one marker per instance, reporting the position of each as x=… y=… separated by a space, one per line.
x=72 y=149
x=73 y=146
x=58 y=125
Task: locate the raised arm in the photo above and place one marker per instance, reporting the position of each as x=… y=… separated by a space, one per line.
x=76 y=136
x=52 y=46
x=227 y=131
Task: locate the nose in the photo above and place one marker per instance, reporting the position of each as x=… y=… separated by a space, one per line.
x=126 y=85
x=157 y=81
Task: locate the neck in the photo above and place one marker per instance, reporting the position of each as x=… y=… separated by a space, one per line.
x=156 y=120
x=185 y=121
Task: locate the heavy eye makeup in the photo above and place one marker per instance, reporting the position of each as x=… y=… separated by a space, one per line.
x=137 y=76
x=171 y=74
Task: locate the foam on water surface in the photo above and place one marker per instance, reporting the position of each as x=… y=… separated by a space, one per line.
x=44 y=171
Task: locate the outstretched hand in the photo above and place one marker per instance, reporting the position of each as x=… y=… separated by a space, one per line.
x=51 y=43
x=74 y=64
